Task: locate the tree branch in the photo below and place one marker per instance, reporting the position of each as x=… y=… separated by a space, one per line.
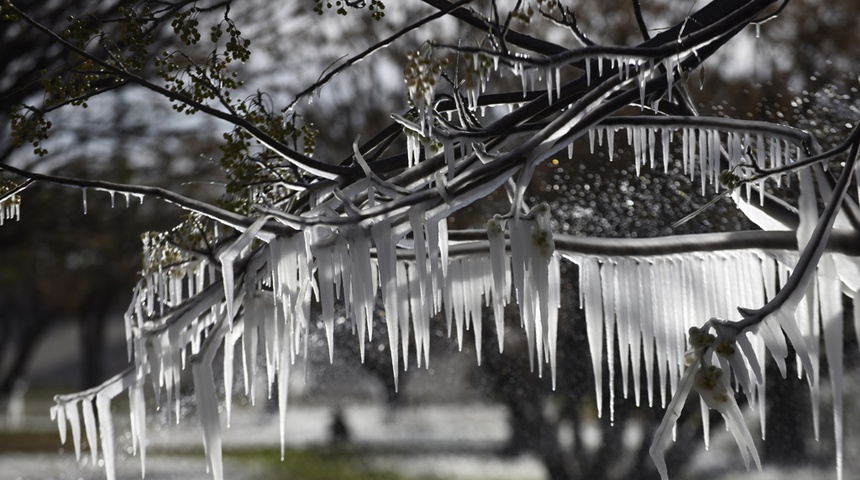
x=304 y=162
x=373 y=48
x=226 y=217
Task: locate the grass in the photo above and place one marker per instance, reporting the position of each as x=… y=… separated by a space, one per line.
x=312 y=465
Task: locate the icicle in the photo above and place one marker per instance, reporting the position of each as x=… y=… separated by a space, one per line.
x=432 y=282
x=229 y=354
x=420 y=322
x=651 y=146
x=665 y=138
x=706 y=423
x=473 y=301
x=207 y=401
x=326 y=274
x=90 y=426
x=363 y=291
x=229 y=255
x=524 y=80
x=703 y=158
x=413 y=150
x=591 y=140
x=519 y=235
x=714 y=151
x=610 y=142
x=623 y=299
x=607 y=282
x=636 y=141
x=286 y=356
x=71 y=413
x=387 y=264
x=557 y=72
x=443 y=251
x=58 y=414
x=457 y=299
x=84 y=190
x=552 y=320
x=669 y=63
x=664 y=432
x=402 y=306
x=832 y=318
x=588 y=72
x=418 y=220
x=634 y=325
x=549 y=89
x=137 y=406
x=498 y=256
x=760 y=151
x=665 y=362
x=106 y=426
x=646 y=325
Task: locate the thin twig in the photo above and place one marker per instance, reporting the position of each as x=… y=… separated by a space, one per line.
x=315 y=167
x=643 y=28
x=373 y=48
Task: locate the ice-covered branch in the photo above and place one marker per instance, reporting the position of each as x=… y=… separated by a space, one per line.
x=841 y=241
x=796 y=285
x=371 y=50
x=203 y=208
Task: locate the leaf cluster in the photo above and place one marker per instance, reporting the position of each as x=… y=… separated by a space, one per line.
x=375 y=7
x=256 y=175
x=174 y=248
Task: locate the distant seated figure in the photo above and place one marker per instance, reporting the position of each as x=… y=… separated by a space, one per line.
x=338 y=428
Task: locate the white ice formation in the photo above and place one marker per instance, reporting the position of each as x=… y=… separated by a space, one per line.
x=348 y=250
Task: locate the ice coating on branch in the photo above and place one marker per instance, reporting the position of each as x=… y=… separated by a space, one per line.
x=229 y=255
x=498 y=260
x=713 y=387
